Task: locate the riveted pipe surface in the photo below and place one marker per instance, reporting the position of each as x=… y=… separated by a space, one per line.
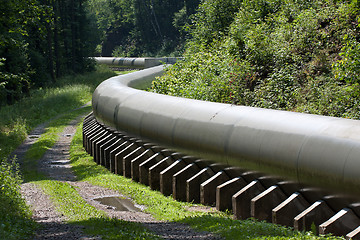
x=319 y=150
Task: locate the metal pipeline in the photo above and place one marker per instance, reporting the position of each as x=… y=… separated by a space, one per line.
x=138 y=63
x=318 y=150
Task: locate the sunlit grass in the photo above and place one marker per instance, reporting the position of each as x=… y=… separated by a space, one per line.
x=166 y=208
x=161 y=207
x=70 y=92
x=69 y=203
x=45 y=142
x=16 y=121
x=65 y=197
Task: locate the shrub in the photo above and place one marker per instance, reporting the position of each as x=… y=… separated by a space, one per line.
x=292 y=55
x=15 y=222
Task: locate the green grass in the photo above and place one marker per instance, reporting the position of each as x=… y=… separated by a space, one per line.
x=16 y=121
x=165 y=208
x=161 y=207
x=70 y=92
x=95 y=222
x=67 y=200
x=45 y=142
x=16 y=223
x=248 y=229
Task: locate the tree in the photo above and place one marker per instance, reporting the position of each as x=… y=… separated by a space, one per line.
x=40 y=41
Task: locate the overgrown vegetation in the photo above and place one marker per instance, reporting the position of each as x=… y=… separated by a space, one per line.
x=43 y=104
x=40 y=42
x=16 y=122
x=293 y=55
x=134 y=28
x=15 y=221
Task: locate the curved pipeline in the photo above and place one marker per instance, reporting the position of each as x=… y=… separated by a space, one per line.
x=320 y=150
x=138 y=63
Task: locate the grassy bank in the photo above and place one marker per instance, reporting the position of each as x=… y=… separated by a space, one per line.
x=71 y=92
x=16 y=122
x=165 y=208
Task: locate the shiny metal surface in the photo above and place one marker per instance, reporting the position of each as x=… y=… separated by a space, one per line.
x=319 y=150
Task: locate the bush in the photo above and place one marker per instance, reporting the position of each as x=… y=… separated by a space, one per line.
x=15 y=222
x=292 y=55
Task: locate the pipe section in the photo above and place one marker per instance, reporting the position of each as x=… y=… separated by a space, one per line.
x=318 y=150
x=138 y=63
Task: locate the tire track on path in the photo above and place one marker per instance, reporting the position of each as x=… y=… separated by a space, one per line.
x=55 y=164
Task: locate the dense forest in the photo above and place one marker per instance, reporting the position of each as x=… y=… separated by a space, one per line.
x=141 y=27
x=295 y=55
x=42 y=40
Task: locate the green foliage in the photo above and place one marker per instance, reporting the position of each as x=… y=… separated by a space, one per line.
x=248 y=229
x=40 y=42
x=70 y=92
x=292 y=55
x=347 y=69
x=212 y=19
x=134 y=28
x=15 y=221
x=15 y=122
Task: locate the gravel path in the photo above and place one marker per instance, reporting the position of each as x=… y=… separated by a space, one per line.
x=55 y=164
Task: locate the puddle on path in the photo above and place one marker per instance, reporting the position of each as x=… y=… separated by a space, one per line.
x=118 y=203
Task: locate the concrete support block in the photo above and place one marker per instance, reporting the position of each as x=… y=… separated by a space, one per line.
x=102 y=133
x=354 y=235
x=262 y=204
x=342 y=223
x=118 y=166
x=179 y=181
x=167 y=174
x=193 y=184
x=289 y=187
x=316 y=214
x=137 y=161
x=337 y=202
x=91 y=133
x=355 y=207
x=208 y=188
x=225 y=191
x=119 y=158
x=103 y=160
x=128 y=158
x=148 y=163
x=91 y=128
x=250 y=176
x=312 y=194
x=155 y=170
x=96 y=146
x=234 y=172
x=107 y=153
x=285 y=212
x=241 y=201
x=113 y=153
